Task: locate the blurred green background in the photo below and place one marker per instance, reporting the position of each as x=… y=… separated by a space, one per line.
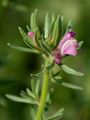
x=16 y=66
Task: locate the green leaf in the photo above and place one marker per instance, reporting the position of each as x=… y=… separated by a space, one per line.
x=52 y=20
x=30 y=93
x=56 y=70
x=47 y=26
x=34 y=27
x=80 y=44
x=32 y=112
x=33 y=86
x=58 y=77
x=24 y=94
x=33 y=21
x=57 y=115
x=48 y=101
x=34 y=76
x=70 y=70
x=37 y=37
x=21 y=99
x=61 y=25
x=28 y=28
x=26 y=39
x=56 y=32
x=38 y=86
x=45 y=47
x=50 y=65
x=69 y=26
x=71 y=86
x=36 y=83
x=23 y=49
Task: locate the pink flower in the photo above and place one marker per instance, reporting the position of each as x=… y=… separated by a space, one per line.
x=31 y=35
x=67 y=46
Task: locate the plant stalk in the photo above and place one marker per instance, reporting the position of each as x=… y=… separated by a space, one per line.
x=44 y=92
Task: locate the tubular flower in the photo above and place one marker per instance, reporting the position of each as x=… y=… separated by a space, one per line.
x=67 y=46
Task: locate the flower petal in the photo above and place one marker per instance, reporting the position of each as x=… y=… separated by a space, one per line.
x=69 y=48
x=66 y=37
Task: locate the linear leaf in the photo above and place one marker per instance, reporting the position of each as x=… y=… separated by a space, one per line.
x=33 y=22
x=70 y=70
x=33 y=85
x=45 y=47
x=71 y=86
x=37 y=37
x=28 y=28
x=80 y=44
x=56 y=32
x=32 y=113
x=30 y=93
x=57 y=115
x=20 y=99
x=24 y=49
x=69 y=26
x=37 y=89
x=61 y=25
x=47 y=26
x=26 y=39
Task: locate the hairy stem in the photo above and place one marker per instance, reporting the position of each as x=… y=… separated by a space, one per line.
x=44 y=91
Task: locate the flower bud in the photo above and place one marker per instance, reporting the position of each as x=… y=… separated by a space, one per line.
x=31 y=35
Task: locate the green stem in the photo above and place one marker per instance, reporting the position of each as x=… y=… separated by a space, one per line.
x=43 y=94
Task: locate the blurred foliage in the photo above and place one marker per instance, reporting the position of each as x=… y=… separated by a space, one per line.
x=16 y=66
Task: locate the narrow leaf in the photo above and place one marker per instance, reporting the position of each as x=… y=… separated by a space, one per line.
x=26 y=39
x=37 y=89
x=33 y=85
x=37 y=37
x=33 y=21
x=32 y=111
x=24 y=94
x=30 y=93
x=69 y=26
x=70 y=70
x=52 y=20
x=80 y=44
x=71 y=86
x=47 y=26
x=20 y=99
x=61 y=25
x=45 y=47
x=56 y=32
x=28 y=28
x=23 y=49
x=58 y=77
x=57 y=115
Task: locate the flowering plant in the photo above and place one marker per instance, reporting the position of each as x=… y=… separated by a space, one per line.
x=53 y=44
